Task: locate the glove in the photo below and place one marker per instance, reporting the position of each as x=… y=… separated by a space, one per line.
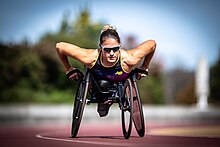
x=141 y=73
x=74 y=74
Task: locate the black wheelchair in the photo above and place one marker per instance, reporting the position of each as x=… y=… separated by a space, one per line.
x=125 y=93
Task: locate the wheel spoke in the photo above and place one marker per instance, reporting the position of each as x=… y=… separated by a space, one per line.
x=79 y=104
x=127 y=109
x=138 y=116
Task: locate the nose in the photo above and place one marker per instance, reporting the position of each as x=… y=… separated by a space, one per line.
x=111 y=52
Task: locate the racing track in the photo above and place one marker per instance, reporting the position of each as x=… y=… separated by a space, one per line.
x=157 y=135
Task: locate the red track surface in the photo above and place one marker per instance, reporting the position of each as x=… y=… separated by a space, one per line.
x=98 y=135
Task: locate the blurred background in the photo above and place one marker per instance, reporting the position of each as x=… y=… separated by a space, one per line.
x=185 y=31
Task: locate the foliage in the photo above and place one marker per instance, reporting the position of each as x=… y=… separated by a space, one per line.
x=186 y=94
x=33 y=73
x=215 y=81
x=151 y=88
x=180 y=86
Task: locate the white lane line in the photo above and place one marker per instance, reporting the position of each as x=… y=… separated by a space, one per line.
x=86 y=142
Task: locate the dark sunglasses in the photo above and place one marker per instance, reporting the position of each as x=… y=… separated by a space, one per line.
x=108 y=49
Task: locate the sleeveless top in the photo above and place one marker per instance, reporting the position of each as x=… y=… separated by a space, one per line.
x=115 y=73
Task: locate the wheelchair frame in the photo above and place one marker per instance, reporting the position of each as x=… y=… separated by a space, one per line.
x=128 y=99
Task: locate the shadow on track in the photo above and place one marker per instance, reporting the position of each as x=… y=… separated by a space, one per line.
x=104 y=137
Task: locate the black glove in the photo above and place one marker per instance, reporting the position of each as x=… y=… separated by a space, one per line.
x=141 y=73
x=74 y=74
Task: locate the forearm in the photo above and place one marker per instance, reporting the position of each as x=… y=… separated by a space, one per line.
x=147 y=60
x=85 y=56
x=63 y=58
x=149 y=56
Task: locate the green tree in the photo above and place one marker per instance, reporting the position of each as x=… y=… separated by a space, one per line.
x=33 y=73
x=81 y=32
x=21 y=71
x=152 y=88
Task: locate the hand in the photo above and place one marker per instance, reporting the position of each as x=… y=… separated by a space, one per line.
x=73 y=73
x=139 y=75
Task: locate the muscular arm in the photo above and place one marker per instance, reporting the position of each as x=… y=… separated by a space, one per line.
x=85 y=56
x=143 y=51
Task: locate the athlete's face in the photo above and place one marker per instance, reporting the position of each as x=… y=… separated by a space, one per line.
x=110 y=50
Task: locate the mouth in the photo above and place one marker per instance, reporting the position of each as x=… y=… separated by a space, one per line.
x=112 y=58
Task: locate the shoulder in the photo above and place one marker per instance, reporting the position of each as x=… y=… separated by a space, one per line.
x=91 y=57
x=128 y=61
x=124 y=54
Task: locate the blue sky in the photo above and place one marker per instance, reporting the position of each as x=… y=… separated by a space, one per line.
x=184 y=30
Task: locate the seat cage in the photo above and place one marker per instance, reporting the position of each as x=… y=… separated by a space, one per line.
x=114 y=91
x=110 y=93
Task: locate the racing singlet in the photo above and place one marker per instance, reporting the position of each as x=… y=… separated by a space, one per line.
x=114 y=73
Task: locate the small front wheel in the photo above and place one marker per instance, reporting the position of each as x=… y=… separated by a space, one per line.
x=127 y=109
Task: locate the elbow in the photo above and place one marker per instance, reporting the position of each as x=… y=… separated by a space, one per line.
x=152 y=44
x=58 y=45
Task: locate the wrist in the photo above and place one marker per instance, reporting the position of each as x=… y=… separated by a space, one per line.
x=67 y=68
x=144 y=67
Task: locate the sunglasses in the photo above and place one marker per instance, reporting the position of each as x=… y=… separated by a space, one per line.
x=108 y=49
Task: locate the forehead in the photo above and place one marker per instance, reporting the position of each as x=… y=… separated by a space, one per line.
x=110 y=42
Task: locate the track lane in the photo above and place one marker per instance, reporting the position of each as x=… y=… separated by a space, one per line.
x=102 y=135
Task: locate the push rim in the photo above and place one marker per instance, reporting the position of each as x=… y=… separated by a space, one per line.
x=79 y=104
x=138 y=116
x=127 y=109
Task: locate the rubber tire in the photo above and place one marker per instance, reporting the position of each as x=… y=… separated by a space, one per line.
x=79 y=104
x=138 y=115
x=127 y=129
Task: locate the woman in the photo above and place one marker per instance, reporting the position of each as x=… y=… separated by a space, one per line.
x=110 y=61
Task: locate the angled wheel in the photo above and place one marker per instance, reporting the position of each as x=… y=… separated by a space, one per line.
x=138 y=116
x=127 y=109
x=79 y=104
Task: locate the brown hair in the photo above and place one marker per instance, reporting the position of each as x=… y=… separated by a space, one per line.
x=109 y=32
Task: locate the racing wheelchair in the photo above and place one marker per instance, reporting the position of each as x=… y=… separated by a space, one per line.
x=125 y=93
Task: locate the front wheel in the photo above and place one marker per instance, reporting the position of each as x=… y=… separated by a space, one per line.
x=127 y=109
x=79 y=104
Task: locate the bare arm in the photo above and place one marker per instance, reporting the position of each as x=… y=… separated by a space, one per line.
x=143 y=51
x=85 y=56
x=149 y=56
